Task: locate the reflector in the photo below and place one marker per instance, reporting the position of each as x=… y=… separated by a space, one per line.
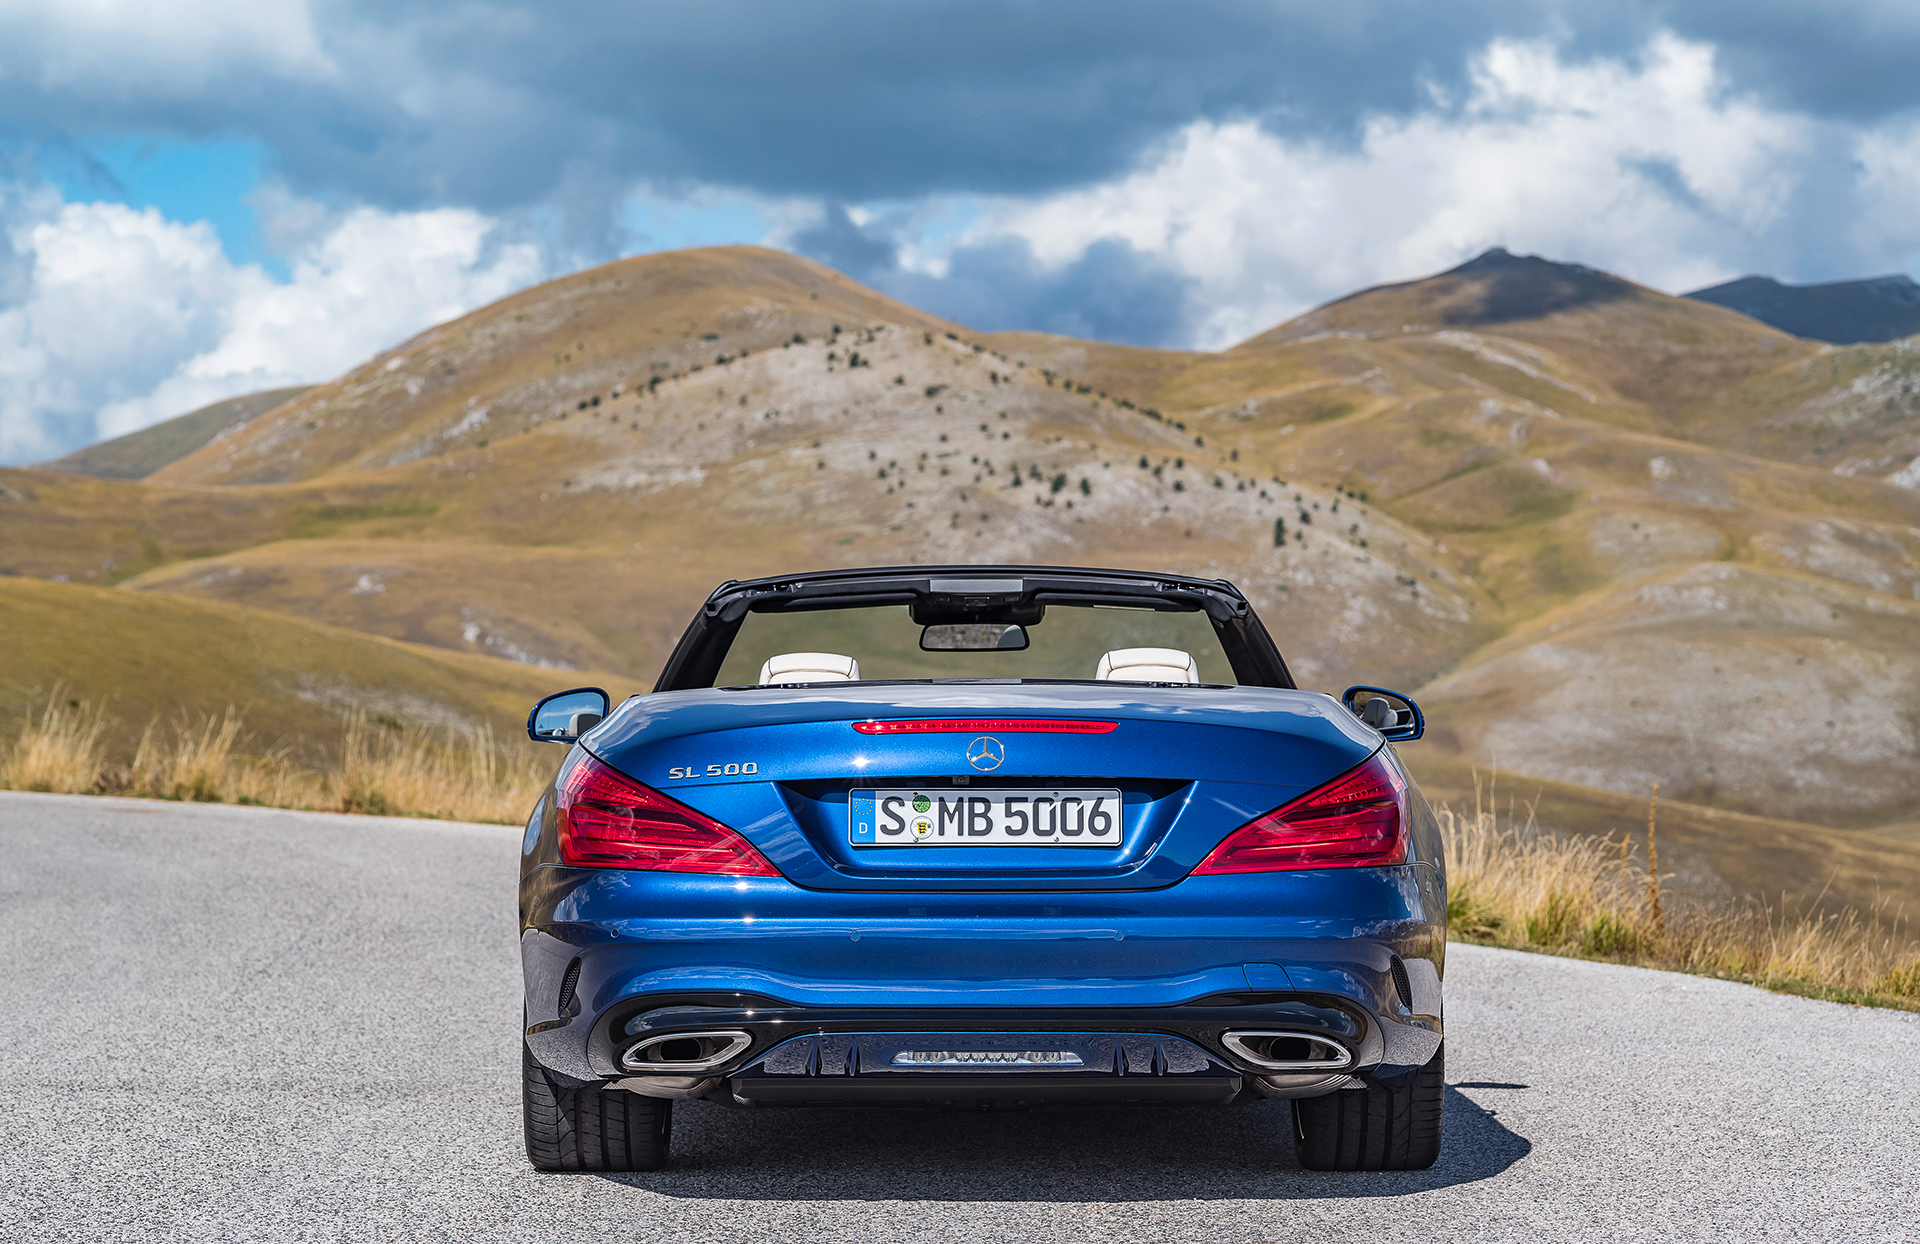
x=1358 y=820
x=608 y=820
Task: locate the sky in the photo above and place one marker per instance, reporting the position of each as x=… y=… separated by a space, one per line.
x=199 y=199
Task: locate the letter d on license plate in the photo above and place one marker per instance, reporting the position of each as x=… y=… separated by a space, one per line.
x=1001 y=818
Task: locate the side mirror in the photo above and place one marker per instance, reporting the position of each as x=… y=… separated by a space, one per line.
x=564 y=717
x=1397 y=718
x=973 y=637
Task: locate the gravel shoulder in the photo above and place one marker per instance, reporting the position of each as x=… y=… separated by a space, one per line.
x=250 y=1023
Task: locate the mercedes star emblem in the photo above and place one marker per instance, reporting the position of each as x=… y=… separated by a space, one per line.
x=986 y=752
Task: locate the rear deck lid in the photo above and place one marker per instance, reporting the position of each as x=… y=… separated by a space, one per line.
x=983 y=786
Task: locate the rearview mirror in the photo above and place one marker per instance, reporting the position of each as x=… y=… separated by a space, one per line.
x=1397 y=718
x=565 y=716
x=973 y=637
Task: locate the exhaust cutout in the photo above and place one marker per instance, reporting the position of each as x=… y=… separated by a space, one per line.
x=684 y=1053
x=1288 y=1051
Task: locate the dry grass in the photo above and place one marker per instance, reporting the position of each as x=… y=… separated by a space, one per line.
x=382 y=770
x=1595 y=897
x=461 y=775
x=61 y=749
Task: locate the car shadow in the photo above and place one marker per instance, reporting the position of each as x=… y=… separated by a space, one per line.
x=1074 y=1155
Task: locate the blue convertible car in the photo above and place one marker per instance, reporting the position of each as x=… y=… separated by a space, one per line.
x=981 y=837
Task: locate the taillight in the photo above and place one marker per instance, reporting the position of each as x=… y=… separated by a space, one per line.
x=608 y=820
x=1355 y=821
x=986 y=725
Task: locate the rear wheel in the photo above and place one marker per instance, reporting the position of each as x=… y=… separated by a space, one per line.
x=1392 y=1126
x=590 y=1127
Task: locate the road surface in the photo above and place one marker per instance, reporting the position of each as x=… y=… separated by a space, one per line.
x=227 y=1023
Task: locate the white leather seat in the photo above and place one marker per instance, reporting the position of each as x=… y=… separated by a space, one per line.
x=809 y=667
x=1147 y=665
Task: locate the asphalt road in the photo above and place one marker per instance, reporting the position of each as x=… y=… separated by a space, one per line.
x=236 y=1022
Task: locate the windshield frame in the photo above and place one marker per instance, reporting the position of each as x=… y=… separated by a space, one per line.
x=985 y=593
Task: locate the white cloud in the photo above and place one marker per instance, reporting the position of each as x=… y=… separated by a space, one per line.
x=138 y=45
x=127 y=318
x=372 y=279
x=1649 y=168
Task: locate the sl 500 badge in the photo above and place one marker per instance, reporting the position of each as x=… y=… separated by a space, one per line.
x=694 y=771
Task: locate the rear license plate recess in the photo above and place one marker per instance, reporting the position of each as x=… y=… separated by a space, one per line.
x=907 y=817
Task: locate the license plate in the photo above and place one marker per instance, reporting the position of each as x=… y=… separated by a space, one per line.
x=1001 y=818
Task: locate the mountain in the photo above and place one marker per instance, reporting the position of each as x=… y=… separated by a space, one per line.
x=1607 y=535
x=1494 y=287
x=537 y=478
x=1881 y=308
x=539 y=353
x=139 y=454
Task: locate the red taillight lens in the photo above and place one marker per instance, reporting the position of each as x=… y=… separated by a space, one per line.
x=608 y=820
x=987 y=725
x=1355 y=821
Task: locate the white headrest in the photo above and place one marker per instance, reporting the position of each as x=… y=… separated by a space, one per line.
x=809 y=667
x=1147 y=665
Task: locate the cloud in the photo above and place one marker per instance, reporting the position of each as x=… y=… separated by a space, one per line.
x=131 y=48
x=1851 y=61
x=1109 y=291
x=117 y=318
x=1106 y=289
x=509 y=105
x=1650 y=166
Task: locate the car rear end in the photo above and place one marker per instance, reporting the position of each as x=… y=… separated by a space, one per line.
x=984 y=896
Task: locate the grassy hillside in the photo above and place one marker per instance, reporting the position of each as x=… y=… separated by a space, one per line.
x=148 y=656
x=139 y=454
x=1771 y=692
x=1586 y=344
x=1705 y=852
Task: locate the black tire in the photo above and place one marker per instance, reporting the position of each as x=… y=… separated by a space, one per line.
x=1386 y=1126
x=590 y=1127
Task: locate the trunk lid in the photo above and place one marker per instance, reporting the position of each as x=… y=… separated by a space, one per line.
x=781 y=765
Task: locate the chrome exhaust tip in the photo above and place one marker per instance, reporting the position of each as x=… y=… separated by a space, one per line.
x=685 y=1053
x=1289 y=1051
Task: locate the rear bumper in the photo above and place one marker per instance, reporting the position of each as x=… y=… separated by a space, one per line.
x=1312 y=952
x=820 y=1056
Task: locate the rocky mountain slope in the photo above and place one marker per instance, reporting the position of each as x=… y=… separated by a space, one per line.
x=1608 y=535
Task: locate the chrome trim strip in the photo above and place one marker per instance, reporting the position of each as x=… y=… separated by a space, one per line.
x=987 y=1058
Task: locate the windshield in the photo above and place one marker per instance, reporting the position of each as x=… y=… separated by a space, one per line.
x=1067 y=643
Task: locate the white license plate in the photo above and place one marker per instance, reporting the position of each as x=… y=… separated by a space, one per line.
x=1000 y=818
